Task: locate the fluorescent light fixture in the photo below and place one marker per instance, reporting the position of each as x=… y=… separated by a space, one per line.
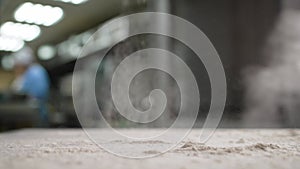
x=21 y=31
x=73 y=1
x=38 y=14
x=10 y=44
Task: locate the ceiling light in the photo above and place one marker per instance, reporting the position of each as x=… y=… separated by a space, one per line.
x=10 y=44
x=21 y=31
x=73 y=1
x=38 y=14
x=46 y=52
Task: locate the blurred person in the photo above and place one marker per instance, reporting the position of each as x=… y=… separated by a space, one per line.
x=32 y=80
x=273 y=91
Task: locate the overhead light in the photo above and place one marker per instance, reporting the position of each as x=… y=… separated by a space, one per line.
x=22 y=31
x=73 y=1
x=46 y=52
x=10 y=44
x=38 y=14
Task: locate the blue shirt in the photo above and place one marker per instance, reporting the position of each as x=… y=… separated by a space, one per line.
x=36 y=82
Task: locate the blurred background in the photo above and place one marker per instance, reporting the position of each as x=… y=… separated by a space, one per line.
x=258 y=42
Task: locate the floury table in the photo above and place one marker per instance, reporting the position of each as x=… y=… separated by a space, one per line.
x=228 y=148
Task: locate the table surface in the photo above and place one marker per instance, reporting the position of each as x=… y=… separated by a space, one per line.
x=228 y=148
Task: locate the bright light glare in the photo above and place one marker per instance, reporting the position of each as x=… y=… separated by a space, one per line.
x=38 y=14
x=73 y=1
x=10 y=44
x=46 y=52
x=21 y=31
